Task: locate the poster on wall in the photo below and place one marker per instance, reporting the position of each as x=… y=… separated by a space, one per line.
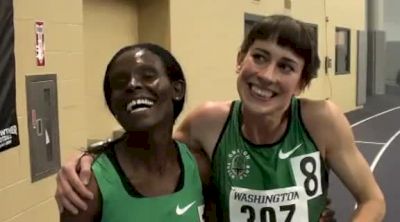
x=8 y=113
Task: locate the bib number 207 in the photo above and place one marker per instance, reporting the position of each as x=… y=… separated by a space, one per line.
x=268 y=214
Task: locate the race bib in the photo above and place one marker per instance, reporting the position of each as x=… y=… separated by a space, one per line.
x=307 y=172
x=279 y=205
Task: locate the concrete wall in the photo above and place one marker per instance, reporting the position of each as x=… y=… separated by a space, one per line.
x=392 y=65
x=391 y=19
x=392 y=29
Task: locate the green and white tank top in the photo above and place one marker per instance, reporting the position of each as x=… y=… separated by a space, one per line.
x=122 y=203
x=285 y=181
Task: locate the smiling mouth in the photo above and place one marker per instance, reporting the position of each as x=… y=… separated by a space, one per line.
x=261 y=93
x=139 y=104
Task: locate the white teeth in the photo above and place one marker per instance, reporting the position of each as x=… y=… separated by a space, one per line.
x=261 y=92
x=135 y=102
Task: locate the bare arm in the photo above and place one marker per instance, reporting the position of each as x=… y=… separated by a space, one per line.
x=93 y=211
x=337 y=145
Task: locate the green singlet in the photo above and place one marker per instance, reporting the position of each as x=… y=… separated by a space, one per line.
x=122 y=203
x=285 y=181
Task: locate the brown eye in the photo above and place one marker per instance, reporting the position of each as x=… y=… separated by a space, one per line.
x=119 y=81
x=286 y=68
x=259 y=58
x=148 y=74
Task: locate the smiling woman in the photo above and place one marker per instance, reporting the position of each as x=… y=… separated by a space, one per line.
x=142 y=72
x=145 y=170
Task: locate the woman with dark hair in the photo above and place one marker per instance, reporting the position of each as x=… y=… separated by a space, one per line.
x=145 y=175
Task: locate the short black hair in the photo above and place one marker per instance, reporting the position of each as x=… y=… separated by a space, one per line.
x=291 y=33
x=172 y=67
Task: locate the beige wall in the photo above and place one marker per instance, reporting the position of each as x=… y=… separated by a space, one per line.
x=204 y=35
x=108 y=26
x=313 y=12
x=352 y=17
x=79 y=44
x=205 y=38
x=154 y=22
x=21 y=200
x=340 y=13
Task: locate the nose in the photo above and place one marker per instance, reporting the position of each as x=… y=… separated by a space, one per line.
x=268 y=73
x=134 y=82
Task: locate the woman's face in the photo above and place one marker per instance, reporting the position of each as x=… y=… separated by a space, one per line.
x=268 y=76
x=141 y=92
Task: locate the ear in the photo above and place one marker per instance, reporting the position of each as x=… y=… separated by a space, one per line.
x=179 y=88
x=239 y=60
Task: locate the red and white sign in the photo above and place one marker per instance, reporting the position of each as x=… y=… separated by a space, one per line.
x=40 y=47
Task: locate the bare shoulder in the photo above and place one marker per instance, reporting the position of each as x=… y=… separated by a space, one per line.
x=201 y=127
x=207 y=115
x=315 y=111
x=211 y=111
x=322 y=118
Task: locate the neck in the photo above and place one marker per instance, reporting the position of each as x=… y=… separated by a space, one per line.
x=154 y=150
x=262 y=128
